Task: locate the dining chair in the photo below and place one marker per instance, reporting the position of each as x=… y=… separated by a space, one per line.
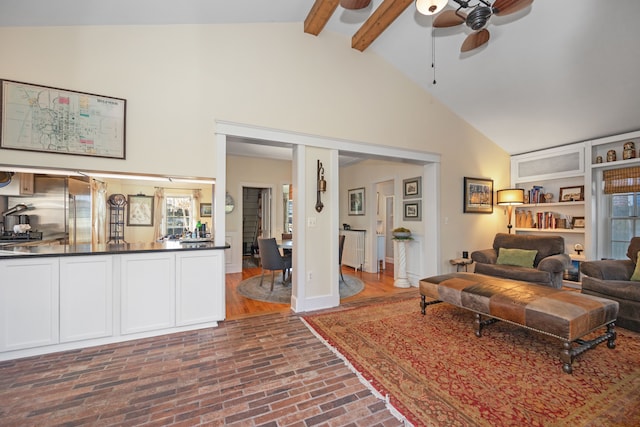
x=271 y=259
x=340 y=250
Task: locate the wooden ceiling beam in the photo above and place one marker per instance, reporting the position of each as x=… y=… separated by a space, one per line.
x=383 y=16
x=319 y=15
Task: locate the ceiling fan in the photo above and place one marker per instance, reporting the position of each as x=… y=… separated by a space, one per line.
x=478 y=18
x=354 y=4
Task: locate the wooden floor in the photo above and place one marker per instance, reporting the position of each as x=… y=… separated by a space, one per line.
x=376 y=285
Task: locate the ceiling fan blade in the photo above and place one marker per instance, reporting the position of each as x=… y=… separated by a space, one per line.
x=507 y=7
x=449 y=18
x=354 y=4
x=475 y=40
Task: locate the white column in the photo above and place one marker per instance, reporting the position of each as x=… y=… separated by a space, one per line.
x=402 y=281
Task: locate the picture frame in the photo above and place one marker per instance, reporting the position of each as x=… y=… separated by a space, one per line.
x=62 y=121
x=412 y=188
x=140 y=210
x=412 y=210
x=205 y=209
x=478 y=195
x=356 y=201
x=577 y=222
x=572 y=194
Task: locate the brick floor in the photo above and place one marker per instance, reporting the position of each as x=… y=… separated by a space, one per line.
x=260 y=371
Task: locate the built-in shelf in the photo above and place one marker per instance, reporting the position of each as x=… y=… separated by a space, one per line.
x=542 y=205
x=616 y=164
x=552 y=230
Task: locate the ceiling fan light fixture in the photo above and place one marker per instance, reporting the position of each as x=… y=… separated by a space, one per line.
x=430 y=7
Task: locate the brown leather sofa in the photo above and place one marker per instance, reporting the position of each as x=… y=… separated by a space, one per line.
x=611 y=279
x=548 y=266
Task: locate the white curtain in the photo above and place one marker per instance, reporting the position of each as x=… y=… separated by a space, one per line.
x=197 y=194
x=158 y=214
x=98 y=211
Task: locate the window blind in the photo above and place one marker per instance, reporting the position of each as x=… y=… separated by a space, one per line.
x=624 y=180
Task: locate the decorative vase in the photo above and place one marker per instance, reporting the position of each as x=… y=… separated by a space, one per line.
x=629 y=151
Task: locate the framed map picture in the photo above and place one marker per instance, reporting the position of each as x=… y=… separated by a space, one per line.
x=53 y=120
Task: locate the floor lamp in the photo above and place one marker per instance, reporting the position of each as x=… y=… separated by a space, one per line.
x=510 y=197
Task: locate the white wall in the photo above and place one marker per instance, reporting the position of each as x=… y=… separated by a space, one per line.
x=179 y=79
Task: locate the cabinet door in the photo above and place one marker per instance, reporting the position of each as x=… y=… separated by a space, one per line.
x=86 y=298
x=28 y=303
x=199 y=287
x=147 y=298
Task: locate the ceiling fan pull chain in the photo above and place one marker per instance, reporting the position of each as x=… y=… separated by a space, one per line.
x=433 y=51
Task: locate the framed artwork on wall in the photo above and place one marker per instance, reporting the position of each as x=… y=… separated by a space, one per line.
x=140 y=210
x=54 y=120
x=412 y=188
x=412 y=211
x=478 y=195
x=205 y=209
x=355 y=199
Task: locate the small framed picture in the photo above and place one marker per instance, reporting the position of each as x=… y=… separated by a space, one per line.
x=412 y=211
x=140 y=210
x=572 y=194
x=205 y=209
x=356 y=201
x=478 y=195
x=577 y=222
x=412 y=188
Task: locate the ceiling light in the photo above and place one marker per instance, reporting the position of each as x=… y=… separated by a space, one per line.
x=430 y=7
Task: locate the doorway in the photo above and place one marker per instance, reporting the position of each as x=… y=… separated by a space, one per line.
x=256 y=221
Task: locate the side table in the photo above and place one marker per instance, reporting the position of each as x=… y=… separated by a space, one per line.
x=461 y=262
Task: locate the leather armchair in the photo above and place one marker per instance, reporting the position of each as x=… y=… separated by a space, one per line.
x=611 y=279
x=548 y=266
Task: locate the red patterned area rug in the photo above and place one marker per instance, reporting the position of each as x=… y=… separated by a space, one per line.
x=434 y=371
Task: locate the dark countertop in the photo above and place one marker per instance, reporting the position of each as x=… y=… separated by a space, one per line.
x=103 y=249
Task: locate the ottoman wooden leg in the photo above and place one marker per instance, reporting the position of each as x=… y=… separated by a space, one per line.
x=569 y=352
x=424 y=303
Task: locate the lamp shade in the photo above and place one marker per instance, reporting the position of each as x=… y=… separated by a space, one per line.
x=430 y=7
x=510 y=196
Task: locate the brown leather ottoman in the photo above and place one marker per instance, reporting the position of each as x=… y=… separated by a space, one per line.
x=566 y=315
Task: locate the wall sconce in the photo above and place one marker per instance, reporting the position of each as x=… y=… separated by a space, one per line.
x=322 y=186
x=510 y=197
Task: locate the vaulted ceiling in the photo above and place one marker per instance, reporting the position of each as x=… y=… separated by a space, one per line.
x=553 y=73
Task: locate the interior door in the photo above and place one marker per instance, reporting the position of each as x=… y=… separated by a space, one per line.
x=265 y=212
x=388 y=229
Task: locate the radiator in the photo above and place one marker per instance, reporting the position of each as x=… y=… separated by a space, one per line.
x=353 y=252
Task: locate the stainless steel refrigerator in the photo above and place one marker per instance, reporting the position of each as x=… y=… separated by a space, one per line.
x=60 y=208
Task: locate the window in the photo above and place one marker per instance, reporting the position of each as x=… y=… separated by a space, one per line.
x=625 y=222
x=179 y=214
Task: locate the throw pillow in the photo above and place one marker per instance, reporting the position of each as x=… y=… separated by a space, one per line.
x=518 y=257
x=636 y=274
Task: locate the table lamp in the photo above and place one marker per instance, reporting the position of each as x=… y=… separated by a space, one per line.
x=510 y=197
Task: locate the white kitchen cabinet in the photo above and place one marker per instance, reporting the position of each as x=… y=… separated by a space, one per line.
x=28 y=303
x=86 y=297
x=199 y=287
x=147 y=294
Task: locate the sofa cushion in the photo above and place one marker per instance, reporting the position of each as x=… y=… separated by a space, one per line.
x=633 y=249
x=545 y=245
x=517 y=257
x=616 y=289
x=515 y=273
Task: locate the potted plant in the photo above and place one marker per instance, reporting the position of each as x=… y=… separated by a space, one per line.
x=401 y=233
